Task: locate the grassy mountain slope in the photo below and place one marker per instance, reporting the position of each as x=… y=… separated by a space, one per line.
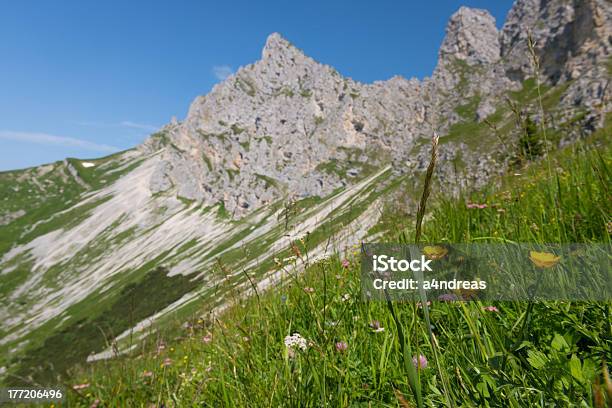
x=483 y=356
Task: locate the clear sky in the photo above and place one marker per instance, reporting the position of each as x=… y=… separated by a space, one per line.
x=84 y=78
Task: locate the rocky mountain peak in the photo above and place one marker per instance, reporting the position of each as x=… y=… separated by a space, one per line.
x=276 y=45
x=471 y=36
x=467 y=66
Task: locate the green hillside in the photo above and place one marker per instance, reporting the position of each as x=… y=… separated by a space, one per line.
x=149 y=294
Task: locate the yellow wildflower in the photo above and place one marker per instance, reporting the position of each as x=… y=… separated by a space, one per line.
x=543 y=259
x=435 y=252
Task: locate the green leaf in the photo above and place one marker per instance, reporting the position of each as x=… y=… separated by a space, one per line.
x=576 y=368
x=558 y=343
x=523 y=345
x=536 y=359
x=483 y=389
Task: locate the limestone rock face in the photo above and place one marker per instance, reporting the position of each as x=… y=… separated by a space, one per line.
x=573 y=40
x=564 y=32
x=288 y=127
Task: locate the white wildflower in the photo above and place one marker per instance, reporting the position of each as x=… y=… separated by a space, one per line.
x=296 y=341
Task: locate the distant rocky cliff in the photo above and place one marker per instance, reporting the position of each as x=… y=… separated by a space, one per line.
x=290 y=126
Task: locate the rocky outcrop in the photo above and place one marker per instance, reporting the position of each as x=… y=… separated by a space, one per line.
x=569 y=36
x=290 y=127
x=468 y=67
x=7 y=218
x=471 y=36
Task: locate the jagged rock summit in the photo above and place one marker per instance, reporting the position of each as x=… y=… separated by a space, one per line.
x=279 y=48
x=471 y=36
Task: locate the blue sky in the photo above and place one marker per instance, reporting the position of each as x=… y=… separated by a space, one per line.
x=84 y=79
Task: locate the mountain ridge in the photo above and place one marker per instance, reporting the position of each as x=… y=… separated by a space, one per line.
x=289 y=85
